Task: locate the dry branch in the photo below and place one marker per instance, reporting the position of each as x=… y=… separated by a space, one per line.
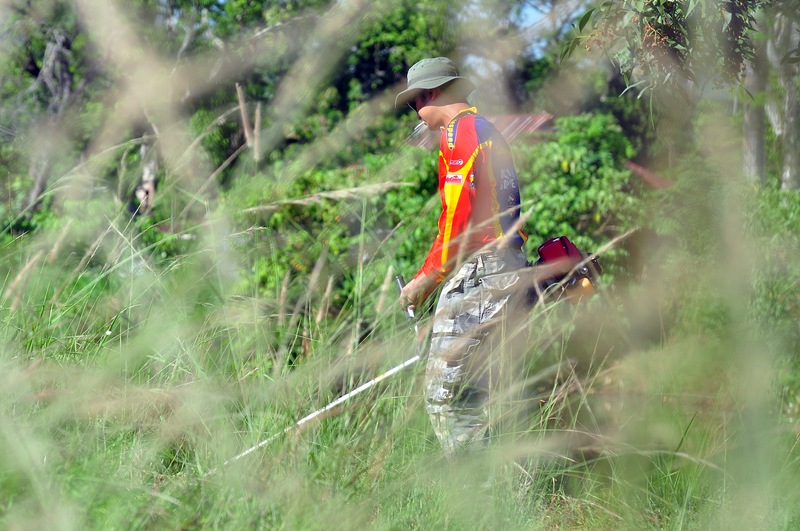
x=248 y=132
x=337 y=195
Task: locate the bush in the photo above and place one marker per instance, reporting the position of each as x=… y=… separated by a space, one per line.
x=577 y=186
x=773 y=220
x=332 y=212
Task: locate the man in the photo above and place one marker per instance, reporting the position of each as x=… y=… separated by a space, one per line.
x=477 y=249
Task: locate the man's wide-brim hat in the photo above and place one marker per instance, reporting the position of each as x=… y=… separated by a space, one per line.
x=430 y=74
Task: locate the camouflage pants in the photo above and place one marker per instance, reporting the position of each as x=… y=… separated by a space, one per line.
x=467 y=333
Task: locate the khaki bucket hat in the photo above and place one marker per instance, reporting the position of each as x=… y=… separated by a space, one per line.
x=430 y=74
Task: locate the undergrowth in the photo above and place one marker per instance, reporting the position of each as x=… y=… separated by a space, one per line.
x=130 y=385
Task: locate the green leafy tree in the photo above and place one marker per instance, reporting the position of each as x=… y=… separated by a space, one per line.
x=682 y=47
x=49 y=76
x=665 y=42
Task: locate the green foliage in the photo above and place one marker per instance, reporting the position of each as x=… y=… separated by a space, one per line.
x=216 y=137
x=662 y=43
x=161 y=242
x=325 y=209
x=167 y=24
x=36 y=29
x=576 y=184
x=774 y=221
x=689 y=211
x=394 y=40
x=532 y=75
x=13 y=204
x=138 y=356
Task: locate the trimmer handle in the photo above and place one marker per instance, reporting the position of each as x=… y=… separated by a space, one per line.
x=400 y=285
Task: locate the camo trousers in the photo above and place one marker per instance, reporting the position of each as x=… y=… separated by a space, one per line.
x=467 y=332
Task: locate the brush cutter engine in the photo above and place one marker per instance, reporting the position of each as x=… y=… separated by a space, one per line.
x=562 y=263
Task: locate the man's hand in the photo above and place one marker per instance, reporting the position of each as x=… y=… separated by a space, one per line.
x=415 y=292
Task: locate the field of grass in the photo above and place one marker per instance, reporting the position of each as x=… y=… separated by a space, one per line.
x=137 y=363
x=127 y=385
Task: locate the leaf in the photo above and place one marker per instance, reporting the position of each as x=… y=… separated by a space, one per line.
x=585 y=19
x=629 y=87
x=573 y=45
x=569 y=48
x=564 y=52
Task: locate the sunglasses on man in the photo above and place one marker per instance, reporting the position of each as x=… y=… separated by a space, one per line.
x=421 y=100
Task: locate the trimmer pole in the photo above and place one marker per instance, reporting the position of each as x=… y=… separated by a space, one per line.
x=354 y=392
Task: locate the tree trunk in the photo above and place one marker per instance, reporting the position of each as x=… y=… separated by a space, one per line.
x=790 y=176
x=146 y=191
x=754 y=134
x=786 y=38
x=57 y=76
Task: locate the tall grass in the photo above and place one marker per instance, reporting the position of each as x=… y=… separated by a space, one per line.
x=129 y=381
x=127 y=386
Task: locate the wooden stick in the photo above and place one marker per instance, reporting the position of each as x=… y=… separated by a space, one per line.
x=257 y=135
x=248 y=135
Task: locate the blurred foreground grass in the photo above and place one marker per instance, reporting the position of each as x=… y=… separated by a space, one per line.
x=133 y=367
x=126 y=384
